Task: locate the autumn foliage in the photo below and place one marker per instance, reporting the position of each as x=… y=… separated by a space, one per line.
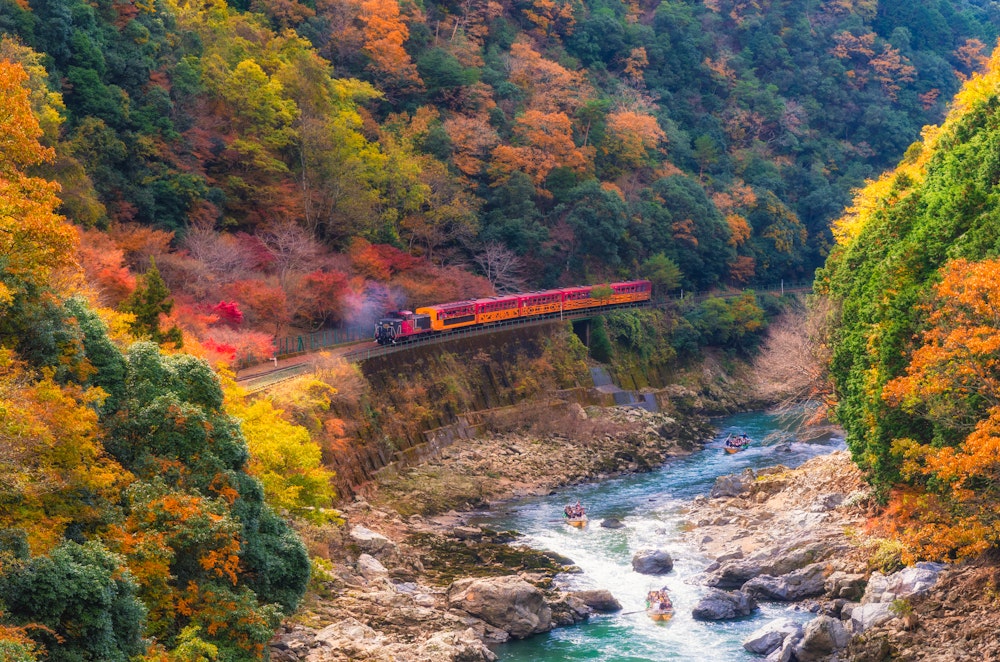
x=916 y=334
x=952 y=380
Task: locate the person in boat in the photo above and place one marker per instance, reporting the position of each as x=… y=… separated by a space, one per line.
x=658 y=600
x=574 y=512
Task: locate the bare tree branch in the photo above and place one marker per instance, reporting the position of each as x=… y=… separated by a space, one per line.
x=502 y=267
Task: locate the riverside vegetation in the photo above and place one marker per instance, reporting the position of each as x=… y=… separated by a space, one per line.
x=182 y=176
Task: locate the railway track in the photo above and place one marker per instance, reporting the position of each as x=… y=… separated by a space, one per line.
x=355 y=352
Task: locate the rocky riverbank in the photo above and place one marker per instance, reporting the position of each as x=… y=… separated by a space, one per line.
x=405 y=578
x=795 y=536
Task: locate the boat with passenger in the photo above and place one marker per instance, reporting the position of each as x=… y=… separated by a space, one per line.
x=658 y=605
x=575 y=515
x=734 y=443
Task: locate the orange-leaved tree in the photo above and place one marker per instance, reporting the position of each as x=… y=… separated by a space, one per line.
x=34 y=240
x=55 y=472
x=953 y=381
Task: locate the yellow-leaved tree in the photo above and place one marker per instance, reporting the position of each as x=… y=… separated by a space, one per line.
x=283 y=456
x=34 y=240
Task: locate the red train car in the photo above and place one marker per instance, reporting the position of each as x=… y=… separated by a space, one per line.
x=402 y=324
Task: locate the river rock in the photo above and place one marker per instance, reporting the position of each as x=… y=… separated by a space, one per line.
x=611 y=523
x=732 y=484
x=370 y=568
x=786 y=652
x=292 y=644
x=719 y=605
x=827 y=502
x=821 y=637
x=568 y=609
x=765 y=640
x=458 y=646
x=773 y=561
x=907 y=583
x=349 y=637
x=652 y=562
x=796 y=585
x=369 y=541
x=849 y=586
x=599 y=600
x=868 y=616
x=508 y=603
x=467 y=532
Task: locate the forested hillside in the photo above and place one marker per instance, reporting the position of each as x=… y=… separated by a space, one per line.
x=297 y=164
x=916 y=277
x=197 y=177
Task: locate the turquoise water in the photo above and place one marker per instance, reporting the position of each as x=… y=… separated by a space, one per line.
x=650 y=507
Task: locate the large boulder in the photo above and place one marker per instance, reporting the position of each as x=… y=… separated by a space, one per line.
x=732 y=484
x=508 y=603
x=907 y=583
x=796 y=585
x=371 y=568
x=612 y=523
x=773 y=561
x=868 y=616
x=567 y=609
x=456 y=646
x=765 y=640
x=369 y=541
x=821 y=637
x=719 y=605
x=348 y=637
x=599 y=600
x=849 y=586
x=652 y=562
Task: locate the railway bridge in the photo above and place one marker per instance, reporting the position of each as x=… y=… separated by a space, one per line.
x=355 y=345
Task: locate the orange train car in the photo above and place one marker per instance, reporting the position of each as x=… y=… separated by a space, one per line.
x=446 y=316
x=458 y=314
x=497 y=309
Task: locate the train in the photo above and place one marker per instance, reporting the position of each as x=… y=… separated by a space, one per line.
x=400 y=325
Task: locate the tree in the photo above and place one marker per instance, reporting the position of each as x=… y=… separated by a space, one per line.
x=321 y=298
x=384 y=34
x=55 y=469
x=663 y=273
x=546 y=143
x=952 y=381
x=206 y=547
x=151 y=299
x=598 y=219
x=285 y=459
x=83 y=596
x=502 y=267
x=34 y=241
x=549 y=87
x=631 y=139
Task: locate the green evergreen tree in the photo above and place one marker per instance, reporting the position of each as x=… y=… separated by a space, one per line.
x=83 y=596
x=150 y=299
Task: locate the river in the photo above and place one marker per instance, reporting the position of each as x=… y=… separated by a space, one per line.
x=650 y=505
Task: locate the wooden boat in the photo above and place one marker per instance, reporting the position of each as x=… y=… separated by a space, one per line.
x=658 y=605
x=578 y=522
x=658 y=614
x=734 y=444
